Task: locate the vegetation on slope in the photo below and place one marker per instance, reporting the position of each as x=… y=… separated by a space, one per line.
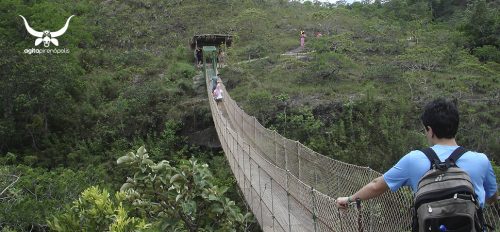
x=358 y=94
x=66 y=118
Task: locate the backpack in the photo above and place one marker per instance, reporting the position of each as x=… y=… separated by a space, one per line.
x=445 y=198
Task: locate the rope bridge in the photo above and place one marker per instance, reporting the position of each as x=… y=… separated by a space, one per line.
x=289 y=187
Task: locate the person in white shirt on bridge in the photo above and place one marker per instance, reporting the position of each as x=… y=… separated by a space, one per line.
x=218 y=93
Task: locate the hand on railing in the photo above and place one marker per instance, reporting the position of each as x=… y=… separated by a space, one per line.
x=344 y=203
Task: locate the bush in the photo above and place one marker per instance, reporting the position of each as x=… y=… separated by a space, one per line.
x=487 y=53
x=179 y=198
x=182 y=70
x=95 y=211
x=384 y=72
x=39 y=193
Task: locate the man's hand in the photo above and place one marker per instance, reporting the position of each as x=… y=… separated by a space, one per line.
x=342 y=203
x=369 y=191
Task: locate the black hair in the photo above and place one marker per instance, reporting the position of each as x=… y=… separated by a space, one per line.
x=442 y=116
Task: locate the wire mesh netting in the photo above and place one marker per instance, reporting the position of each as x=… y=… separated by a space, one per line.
x=289 y=187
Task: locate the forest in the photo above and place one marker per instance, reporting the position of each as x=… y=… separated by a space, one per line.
x=102 y=138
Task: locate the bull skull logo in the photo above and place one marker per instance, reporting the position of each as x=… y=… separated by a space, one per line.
x=46 y=36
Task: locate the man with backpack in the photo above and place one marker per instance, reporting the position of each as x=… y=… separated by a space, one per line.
x=450 y=191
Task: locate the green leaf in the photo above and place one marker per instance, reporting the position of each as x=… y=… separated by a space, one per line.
x=217 y=209
x=175 y=178
x=142 y=153
x=178 y=197
x=124 y=159
x=212 y=197
x=126 y=187
x=148 y=162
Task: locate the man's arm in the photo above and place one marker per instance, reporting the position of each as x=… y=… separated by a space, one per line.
x=369 y=191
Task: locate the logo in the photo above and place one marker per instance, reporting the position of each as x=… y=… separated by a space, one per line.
x=46 y=36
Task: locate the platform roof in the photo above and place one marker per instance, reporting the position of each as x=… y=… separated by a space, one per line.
x=211 y=40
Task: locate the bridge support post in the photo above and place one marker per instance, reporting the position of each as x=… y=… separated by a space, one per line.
x=313 y=201
x=286 y=156
x=244 y=177
x=272 y=202
x=254 y=129
x=288 y=200
x=251 y=184
x=276 y=150
x=298 y=158
x=235 y=116
x=242 y=173
x=260 y=196
x=316 y=178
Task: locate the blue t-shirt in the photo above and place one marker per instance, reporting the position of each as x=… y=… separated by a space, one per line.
x=410 y=168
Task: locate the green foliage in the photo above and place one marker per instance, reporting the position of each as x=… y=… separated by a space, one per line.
x=343 y=43
x=329 y=66
x=322 y=44
x=301 y=125
x=496 y=169
x=422 y=58
x=96 y=211
x=182 y=197
x=248 y=23
x=483 y=25
x=182 y=70
x=33 y=194
x=487 y=53
x=371 y=133
x=261 y=104
x=383 y=73
x=128 y=80
x=253 y=51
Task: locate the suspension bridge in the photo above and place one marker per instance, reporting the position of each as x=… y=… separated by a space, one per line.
x=289 y=187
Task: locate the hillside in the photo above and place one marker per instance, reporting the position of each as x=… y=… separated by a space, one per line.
x=362 y=85
x=65 y=119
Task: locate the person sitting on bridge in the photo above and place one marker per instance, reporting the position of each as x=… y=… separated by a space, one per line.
x=218 y=93
x=440 y=120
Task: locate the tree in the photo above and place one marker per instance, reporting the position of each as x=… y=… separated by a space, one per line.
x=483 y=26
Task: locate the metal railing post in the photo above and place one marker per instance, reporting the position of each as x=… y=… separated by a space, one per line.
x=272 y=202
x=286 y=155
x=298 y=157
x=244 y=177
x=275 y=150
x=254 y=129
x=260 y=196
x=251 y=184
x=288 y=200
x=313 y=200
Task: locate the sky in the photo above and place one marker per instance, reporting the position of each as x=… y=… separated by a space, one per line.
x=333 y=1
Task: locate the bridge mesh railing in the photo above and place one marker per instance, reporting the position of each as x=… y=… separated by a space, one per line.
x=289 y=187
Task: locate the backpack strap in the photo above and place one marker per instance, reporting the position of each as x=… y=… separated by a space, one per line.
x=432 y=156
x=451 y=161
